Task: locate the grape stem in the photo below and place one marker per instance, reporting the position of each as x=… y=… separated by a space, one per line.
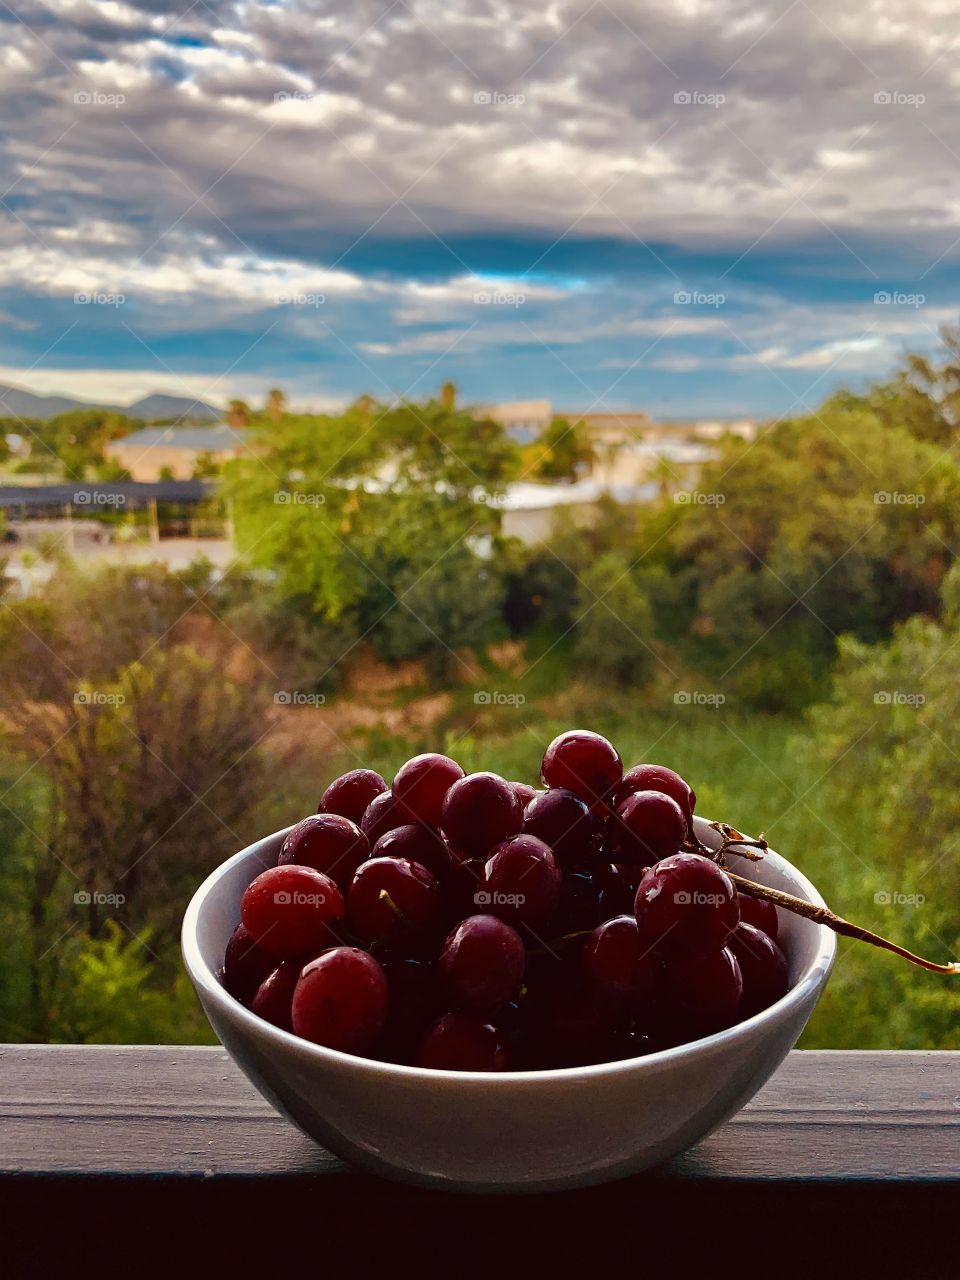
x=823 y=915
x=753 y=850
x=398 y=914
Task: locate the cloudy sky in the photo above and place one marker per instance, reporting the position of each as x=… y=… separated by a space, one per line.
x=689 y=206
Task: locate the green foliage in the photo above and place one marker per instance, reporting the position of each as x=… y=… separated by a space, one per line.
x=135 y=763
x=924 y=396
x=79 y=437
x=439 y=613
x=615 y=624
x=563 y=452
x=363 y=514
x=891 y=734
x=109 y=994
x=832 y=523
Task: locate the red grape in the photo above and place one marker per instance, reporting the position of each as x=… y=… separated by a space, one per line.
x=646 y=827
x=411 y=890
x=245 y=965
x=329 y=843
x=458 y=1042
x=580 y=904
x=622 y=971
x=382 y=815
x=617 y=889
x=583 y=762
x=419 y=844
x=422 y=783
x=340 y=1000
x=573 y=1029
x=351 y=793
x=460 y=890
x=760 y=913
x=701 y=995
x=563 y=821
x=763 y=967
x=414 y=1002
x=525 y=792
x=274 y=997
x=291 y=911
x=657 y=777
x=482 y=963
x=521 y=882
x=480 y=811
x=686 y=906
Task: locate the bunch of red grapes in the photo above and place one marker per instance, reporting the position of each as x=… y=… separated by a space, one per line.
x=467 y=923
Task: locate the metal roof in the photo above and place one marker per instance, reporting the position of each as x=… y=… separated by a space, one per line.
x=96 y=497
x=197 y=439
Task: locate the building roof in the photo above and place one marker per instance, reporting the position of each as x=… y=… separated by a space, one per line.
x=539 y=497
x=92 y=496
x=213 y=439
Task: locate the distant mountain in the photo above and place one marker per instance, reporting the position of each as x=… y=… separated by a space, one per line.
x=15 y=402
x=24 y=404
x=161 y=408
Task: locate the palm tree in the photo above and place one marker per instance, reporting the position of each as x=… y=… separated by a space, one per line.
x=238 y=414
x=448 y=395
x=276 y=404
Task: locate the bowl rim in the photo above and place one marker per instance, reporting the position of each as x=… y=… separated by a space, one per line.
x=811 y=979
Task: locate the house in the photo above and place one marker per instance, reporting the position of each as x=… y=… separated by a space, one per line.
x=529 y=511
x=523 y=420
x=175 y=452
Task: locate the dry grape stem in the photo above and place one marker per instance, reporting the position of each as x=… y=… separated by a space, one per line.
x=823 y=915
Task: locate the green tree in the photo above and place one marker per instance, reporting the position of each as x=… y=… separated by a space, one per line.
x=437 y=615
x=344 y=508
x=563 y=452
x=79 y=437
x=616 y=638
x=139 y=757
x=890 y=736
x=831 y=523
x=924 y=395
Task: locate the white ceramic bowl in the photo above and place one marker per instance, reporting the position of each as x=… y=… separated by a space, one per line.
x=509 y=1131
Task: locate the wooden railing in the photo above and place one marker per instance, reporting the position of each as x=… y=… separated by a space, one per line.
x=841 y=1151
